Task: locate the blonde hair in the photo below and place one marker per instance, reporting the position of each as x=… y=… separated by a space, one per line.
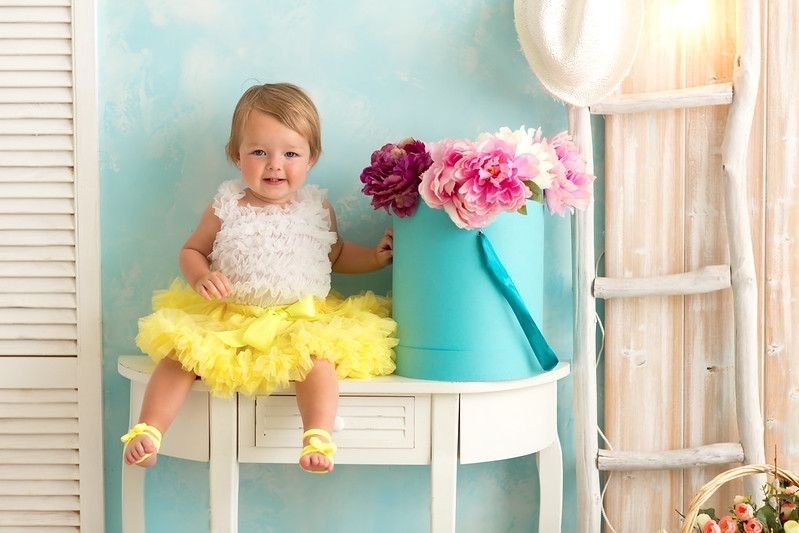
x=287 y=103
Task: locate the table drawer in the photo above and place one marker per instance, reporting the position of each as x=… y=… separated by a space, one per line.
x=370 y=429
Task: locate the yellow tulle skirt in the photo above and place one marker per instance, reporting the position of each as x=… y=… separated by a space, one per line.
x=255 y=350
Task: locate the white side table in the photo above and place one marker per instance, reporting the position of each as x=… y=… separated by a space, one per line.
x=388 y=420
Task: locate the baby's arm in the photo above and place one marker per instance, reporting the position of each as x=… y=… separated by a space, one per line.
x=194 y=259
x=350 y=258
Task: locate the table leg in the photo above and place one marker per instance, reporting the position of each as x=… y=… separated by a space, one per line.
x=224 y=467
x=444 y=462
x=550 y=477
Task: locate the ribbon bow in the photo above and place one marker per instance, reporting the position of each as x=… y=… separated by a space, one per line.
x=325 y=448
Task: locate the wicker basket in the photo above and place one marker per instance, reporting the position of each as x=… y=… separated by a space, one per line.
x=711 y=486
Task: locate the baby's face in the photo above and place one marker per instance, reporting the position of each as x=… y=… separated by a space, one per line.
x=274 y=160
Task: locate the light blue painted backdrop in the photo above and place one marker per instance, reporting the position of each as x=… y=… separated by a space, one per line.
x=170 y=74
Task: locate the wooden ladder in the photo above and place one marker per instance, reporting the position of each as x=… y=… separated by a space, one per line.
x=741 y=93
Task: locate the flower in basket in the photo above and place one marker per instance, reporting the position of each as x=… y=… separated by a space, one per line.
x=778 y=514
x=475 y=181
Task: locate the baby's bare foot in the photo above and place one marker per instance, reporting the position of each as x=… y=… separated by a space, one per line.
x=316 y=462
x=316 y=456
x=138 y=447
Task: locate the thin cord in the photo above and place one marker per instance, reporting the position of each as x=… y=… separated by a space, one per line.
x=602 y=499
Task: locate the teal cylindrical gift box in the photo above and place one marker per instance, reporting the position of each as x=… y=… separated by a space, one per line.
x=453 y=322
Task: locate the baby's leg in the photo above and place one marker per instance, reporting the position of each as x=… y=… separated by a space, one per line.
x=317 y=399
x=165 y=394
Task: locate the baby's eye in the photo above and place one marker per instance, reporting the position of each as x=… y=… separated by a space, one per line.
x=259 y=153
x=292 y=154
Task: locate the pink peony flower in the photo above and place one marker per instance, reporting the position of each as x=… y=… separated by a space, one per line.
x=571 y=185
x=743 y=511
x=438 y=183
x=753 y=526
x=392 y=178
x=727 y=524
x=791 y=489
x=711 y=527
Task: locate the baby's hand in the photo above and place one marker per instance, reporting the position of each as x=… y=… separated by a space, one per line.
x=384 y=250
x=213 y=285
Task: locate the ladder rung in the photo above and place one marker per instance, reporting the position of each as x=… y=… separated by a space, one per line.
x=706 y=279
x=703 y=95
x=711 y=454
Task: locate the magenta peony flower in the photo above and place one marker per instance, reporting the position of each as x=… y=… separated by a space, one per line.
x=392 y=178
x=571 y=184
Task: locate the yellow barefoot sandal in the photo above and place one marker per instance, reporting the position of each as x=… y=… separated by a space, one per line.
x=142 y=429
x=316 y=445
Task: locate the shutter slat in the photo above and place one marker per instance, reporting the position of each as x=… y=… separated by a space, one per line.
x=21 y=63
x=37 y=316
x=35 y=30
x=38 y=348
x=38 y=126
x=37 y=269
x=56 y=441
x=38 y=331
x=37 y=253
x=39 y=457
x=46 y=205
x=38 y=410
x=38 y=395
x=36 y=95
x=41 y=426
x=25 y=3
x=33 y=472
x=35 y=14
x=37 y=190
x=40 y=503
x=36 y=285
x=37 y=159
x=36 y=487
x=39 y=518
x=56 y=301
x=35 y=47
x=36 y=142
x=37 y=237
x=36 y=175
x=33 y=110
x=18 y=221
x=35 y=78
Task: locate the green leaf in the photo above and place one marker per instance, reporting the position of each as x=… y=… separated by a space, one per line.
x=768 y=516
x=522 y=210
x=710 y=511
x=538 y=194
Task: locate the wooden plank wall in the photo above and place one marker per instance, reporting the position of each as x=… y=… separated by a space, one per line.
x=669 y=363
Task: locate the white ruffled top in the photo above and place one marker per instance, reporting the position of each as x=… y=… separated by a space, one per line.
x=275 y=254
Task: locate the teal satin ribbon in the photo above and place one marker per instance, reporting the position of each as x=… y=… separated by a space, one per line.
x=546 y=357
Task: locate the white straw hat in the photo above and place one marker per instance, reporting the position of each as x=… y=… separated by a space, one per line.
x=580 y=50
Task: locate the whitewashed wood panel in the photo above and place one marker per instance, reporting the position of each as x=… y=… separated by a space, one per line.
x=21 y=3
x=35 y=14
x=38 y=331
x=35 y=110
x=45 y=529
x=38 y=457
x=35 y=94
x=35 y=47
x=39 y=518
x=37 y=190
x=31 y=472
x=37 y=487
x=38 y=316
x=39 y=409
x=36 y=142
x=40 y=503
x=38 y=394
x=39 y=348
x=35 y=79
x=37 y=253
x=39 y=126
x=781 y=287
x=11 y=30
x=37 y=237
x=34 y=301
x=50 y=222
x=33 y=269
x=644 y=195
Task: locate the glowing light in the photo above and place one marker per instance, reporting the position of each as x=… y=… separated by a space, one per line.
x=686 y=15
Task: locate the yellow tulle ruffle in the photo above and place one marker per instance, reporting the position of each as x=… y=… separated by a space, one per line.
x=255 y=350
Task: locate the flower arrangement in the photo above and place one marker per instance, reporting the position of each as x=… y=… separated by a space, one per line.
x=475 y=181
x=778 y=514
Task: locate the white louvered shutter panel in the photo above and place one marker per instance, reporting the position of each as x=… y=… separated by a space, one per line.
x=50 y=353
